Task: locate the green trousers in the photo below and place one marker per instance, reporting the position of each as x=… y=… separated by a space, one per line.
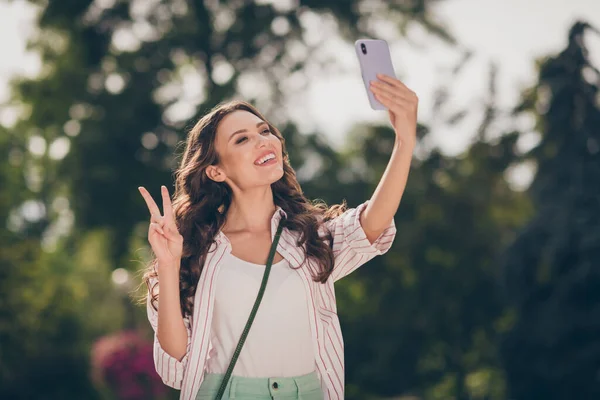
x=305 y=387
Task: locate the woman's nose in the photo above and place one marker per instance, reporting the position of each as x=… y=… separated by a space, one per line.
x=261 y=141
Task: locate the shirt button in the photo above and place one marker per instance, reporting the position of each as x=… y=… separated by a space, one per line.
x=275 y=385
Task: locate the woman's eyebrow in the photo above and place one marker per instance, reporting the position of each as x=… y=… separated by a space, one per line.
x=244 y=130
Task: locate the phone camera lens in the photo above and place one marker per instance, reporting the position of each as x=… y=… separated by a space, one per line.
x=363 y=48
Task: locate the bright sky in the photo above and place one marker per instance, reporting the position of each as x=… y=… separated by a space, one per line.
x=511 y=32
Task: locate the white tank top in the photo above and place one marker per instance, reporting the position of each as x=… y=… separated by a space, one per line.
x=279 y=343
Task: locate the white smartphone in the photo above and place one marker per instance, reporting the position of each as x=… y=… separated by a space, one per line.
x=374 y=58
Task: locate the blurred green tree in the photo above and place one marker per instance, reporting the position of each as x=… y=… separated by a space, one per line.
x=551 y=269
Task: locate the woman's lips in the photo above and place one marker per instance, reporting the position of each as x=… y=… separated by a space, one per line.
x=270 y=162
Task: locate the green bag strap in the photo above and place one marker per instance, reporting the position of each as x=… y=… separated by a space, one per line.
x=261 y=292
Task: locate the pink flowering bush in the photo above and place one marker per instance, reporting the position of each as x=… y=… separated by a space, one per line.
x=122 y=364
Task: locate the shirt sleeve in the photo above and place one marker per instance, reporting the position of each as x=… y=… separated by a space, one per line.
x=351 y=247
x=170 y=369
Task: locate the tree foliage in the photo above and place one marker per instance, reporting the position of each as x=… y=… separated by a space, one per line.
x=551 y=269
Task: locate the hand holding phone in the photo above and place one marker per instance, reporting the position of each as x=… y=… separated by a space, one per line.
x=374 y=58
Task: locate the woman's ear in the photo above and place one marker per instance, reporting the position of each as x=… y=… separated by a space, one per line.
x=215 y=173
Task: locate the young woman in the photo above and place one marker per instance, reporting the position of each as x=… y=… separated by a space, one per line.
x=234 y=187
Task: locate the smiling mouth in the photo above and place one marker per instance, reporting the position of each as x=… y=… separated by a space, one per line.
x=267 y=159
x=272 y=161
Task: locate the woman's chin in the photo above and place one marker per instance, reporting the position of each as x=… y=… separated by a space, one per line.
x=268 y=174
x=276 y=174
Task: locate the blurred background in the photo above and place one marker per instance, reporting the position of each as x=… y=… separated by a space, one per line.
x=492 y=287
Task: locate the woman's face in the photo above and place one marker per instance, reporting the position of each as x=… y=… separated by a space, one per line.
x=250 y=155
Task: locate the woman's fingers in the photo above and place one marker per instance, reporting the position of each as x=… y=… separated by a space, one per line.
x=149 y=201
x=158 y=241
x=170 y=225
x=166 y=230
x=397 y=83
x=167 y=206
x=162 y=227
x=392 y=103
x=165 y=225
x=157 y=228
x=384 y=88
x=158 y=220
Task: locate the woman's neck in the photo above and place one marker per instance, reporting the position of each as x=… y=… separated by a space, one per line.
x=250 y=212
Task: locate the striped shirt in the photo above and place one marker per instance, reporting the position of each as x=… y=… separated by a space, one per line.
x=351 y=249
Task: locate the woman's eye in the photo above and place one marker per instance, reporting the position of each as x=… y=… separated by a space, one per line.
x=264 y=132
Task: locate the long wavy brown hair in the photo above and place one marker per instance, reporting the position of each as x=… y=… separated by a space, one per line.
x=200 y=206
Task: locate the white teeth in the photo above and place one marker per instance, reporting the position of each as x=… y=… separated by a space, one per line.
x=266 y=158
